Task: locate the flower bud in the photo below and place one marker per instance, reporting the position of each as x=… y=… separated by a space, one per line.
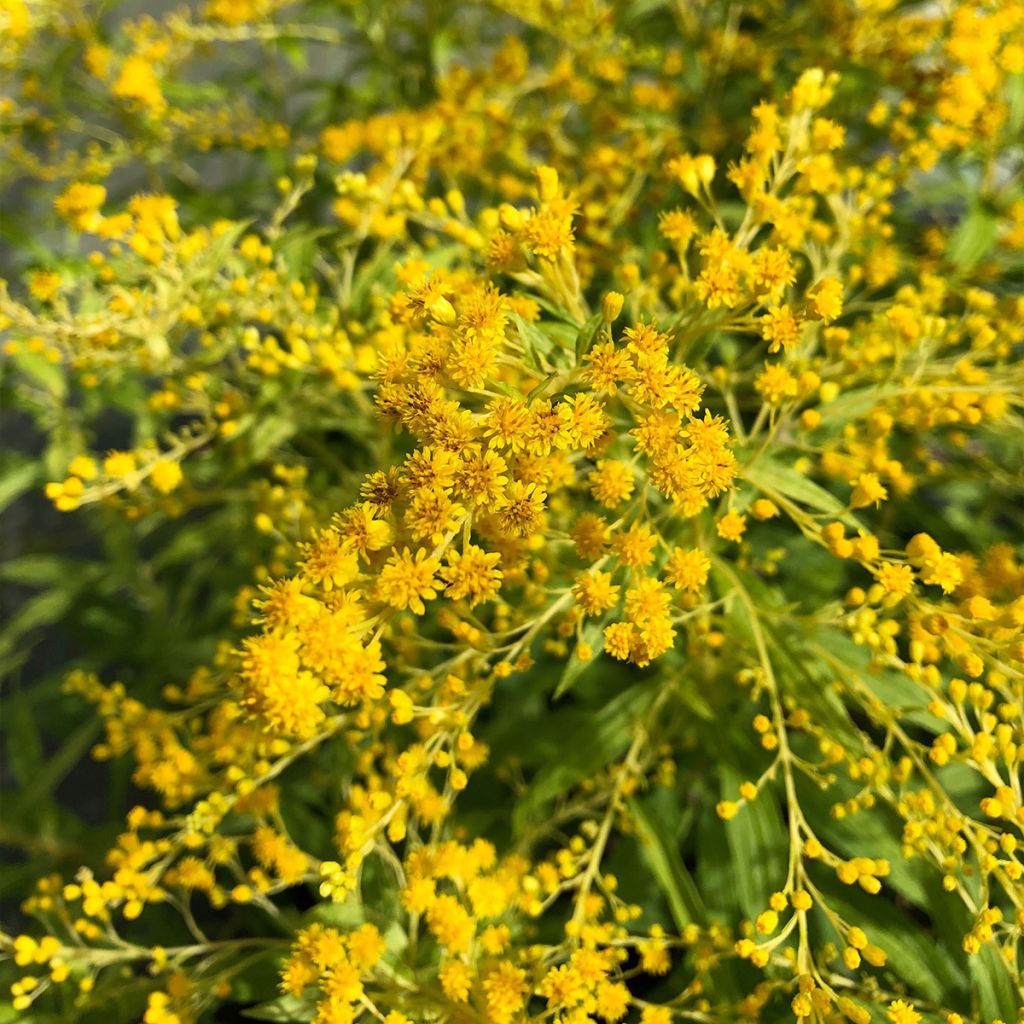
x=611 y=306
x=547 y=183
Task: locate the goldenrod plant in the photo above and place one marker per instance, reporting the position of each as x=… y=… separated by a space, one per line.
x=517 y=511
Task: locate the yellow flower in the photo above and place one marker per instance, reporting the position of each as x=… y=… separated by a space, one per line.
x=943 y=570
x=44 y=285
x=119 y=465
x=619 y=639
x=328 y=560
x=472 y=574
x=363 y=531
x=901 y=1012
x=79 y=204
x=896 y=579
x=456 y=979
x=407 y=580
x=275 y=689
x=687 y=569
x=137 y=81
x=869 y=491
x=826 y=298
x=432 y=514
x=165 y=475
x=612 y=1000
x=83 y=466
x=635 y=547
x=731 y=526
x=505 y=991
x=520 y=508
x=451 y=924
x=781 y=328
x=595 y=592
x=611 y=483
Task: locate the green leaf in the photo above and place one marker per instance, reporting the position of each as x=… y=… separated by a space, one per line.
x=41 y=610
x=215 y=255
x=608 y=733
x=973 y=237
x=298 y=249
x=379 y=268
x=8 y=1014
x=769 y=476
x=49 y=375
x=563 y=336
x=992 y=985
x=58 y=765
x=855 y=403
x=347 y=914
x=661 y=852
x=586 y=335
x=37 y=569
x=284 y=1008
x=294 y=52
x=576 y=666
x=637 y=10
x=558 y=312
x=443 y=50
x=269 y=433
x=539 y=389
x=874 y=833
x=809 y=680
x=698 y=348
x=1015 y=102
x=913 y=954
x=758 y=845
x=24 y=744
x=16 y=480
x=537 y=345
x=893 y=689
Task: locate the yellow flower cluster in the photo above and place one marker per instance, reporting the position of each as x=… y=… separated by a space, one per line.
x=590 y=465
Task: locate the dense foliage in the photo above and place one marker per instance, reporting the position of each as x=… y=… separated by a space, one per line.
x=534 y=511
